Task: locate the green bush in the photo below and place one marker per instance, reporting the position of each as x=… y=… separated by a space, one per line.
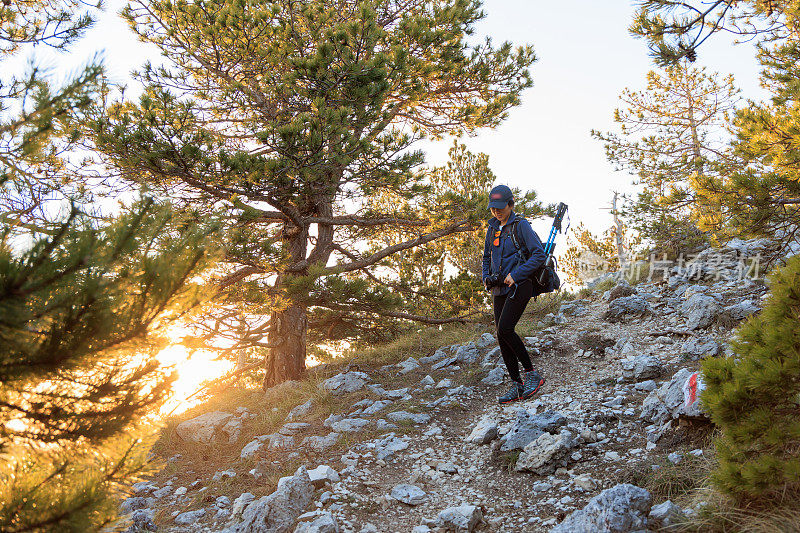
x=754 y=398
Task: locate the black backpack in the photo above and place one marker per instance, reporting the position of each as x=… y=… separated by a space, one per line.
x=545 y=279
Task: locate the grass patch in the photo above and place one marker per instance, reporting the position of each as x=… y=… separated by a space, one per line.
x=723 y=515
x=670 y=481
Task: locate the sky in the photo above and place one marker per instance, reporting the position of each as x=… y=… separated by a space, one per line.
x=586 y=57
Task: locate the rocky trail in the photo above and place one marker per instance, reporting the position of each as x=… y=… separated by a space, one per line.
x=423 y=445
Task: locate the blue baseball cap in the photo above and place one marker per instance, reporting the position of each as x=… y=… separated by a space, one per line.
x=499 y=197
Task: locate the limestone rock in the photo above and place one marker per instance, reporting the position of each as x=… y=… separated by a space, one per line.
x=299 y=411
x=189 y=517
x=620 y=509
x=667 y=402
x=627 y=305
x=665 y=514
x=700 y=348
x=317 y=522
x=323 y=474
x=467 y=353
x=409 y=365
x=486 y=340
x=345 y=382
x=528 y=427
x=461 y=518
x=319 y=443
x=641 y=368
x=405 y=416
x=206 y=428
x=547 y=453
x=495 y=376
x=700 y=310
x=277 y=512
x=484 y=431
x=349 y=425
x=408 y=494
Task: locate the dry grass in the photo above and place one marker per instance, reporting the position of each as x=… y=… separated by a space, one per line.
x=670 y=481
x=722 y=515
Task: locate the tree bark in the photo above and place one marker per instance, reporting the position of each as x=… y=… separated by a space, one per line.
x=286 y=358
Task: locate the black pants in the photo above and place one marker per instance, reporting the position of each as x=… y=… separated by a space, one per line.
x=508 y=309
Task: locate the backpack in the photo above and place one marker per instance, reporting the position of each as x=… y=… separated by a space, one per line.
x=545 y=279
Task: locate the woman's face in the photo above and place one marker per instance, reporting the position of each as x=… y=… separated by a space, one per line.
x=501 y=214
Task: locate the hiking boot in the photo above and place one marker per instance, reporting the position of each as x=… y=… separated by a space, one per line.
x=513 y=394
x=532 y=382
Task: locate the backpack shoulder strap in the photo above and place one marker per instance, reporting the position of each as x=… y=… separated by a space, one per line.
x=515 y=235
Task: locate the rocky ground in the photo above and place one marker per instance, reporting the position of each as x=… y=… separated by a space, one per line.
x=423 y=445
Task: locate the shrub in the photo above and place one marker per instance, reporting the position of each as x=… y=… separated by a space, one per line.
x=754 y=397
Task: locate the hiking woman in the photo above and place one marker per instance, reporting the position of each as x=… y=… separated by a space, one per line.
x=513 y=286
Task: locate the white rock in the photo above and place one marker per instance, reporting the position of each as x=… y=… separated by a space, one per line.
x=408 y=494
x=345 y=382
x=461 y=518
x=484 y=431
x=323 y=474
x=206 y=428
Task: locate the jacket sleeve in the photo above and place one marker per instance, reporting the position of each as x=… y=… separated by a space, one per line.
x=536 y=248
x=487 y=255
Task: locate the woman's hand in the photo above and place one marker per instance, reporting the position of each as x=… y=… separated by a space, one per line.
x=509 y=280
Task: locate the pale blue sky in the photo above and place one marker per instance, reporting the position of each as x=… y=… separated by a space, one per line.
x=586 y=57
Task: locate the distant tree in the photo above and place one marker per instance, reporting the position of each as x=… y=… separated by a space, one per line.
x=754 y=397
x=443 y=278
x=292 y=116
x=82 y=298
x=673 y=138
x=762 y=193
x=591 y=255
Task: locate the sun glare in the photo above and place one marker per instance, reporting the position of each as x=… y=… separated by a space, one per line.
x=194 y=369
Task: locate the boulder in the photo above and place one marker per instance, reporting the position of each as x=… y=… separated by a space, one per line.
x=461 y=518
x=345 y=382
x=620 y=509
x=408 y=494
x=547 y=453
x=142 y=520
x=388 y=446
x=277 y=512
x=438 y=355
x=241 y=502
x=206 y=428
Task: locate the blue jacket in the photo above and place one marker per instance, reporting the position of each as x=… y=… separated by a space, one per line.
x=503 y=258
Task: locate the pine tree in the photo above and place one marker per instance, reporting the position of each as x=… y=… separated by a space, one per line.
x=82 y=298
x=762 y=193
x=442 y=278
x=673 y=138
x=292 y=116
x=754 y=397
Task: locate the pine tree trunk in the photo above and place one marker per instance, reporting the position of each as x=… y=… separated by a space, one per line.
x=287 y=358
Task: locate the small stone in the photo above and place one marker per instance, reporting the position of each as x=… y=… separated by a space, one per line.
x=190 y=517
x=462 y=518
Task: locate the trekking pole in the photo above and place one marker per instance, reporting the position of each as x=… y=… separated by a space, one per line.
x=551 y=239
